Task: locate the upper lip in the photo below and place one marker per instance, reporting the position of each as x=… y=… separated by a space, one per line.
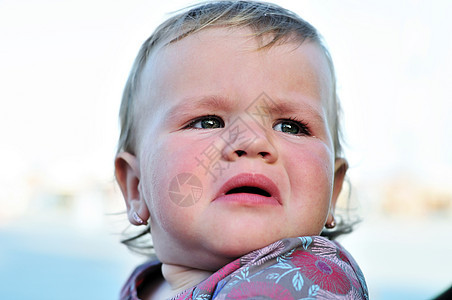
x=251 y=180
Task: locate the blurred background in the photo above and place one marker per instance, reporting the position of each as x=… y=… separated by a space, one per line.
x=63 y=65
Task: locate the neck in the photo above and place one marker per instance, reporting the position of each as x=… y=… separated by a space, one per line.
x=181 y=278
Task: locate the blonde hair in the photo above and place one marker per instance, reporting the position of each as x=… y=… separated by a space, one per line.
x=265 y=19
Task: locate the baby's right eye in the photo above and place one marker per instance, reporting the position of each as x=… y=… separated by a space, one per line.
x=206 y=122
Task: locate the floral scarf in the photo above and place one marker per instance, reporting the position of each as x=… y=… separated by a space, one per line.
x=294 y=268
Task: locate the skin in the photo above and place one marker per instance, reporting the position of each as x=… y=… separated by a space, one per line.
x=219 y=72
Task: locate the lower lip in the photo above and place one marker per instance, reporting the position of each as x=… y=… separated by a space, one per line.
x=248 y=199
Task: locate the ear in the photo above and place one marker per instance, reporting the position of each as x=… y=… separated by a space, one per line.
x=127 y=174
x=340 y=168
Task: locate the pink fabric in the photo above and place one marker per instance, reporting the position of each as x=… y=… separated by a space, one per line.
x=296 y=268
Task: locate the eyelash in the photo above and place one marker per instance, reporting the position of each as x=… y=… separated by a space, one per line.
x=192 y=123
x=303 y=125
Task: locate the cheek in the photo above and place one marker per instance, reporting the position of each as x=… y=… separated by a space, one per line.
x=310 y=170
x=169 y=157
x=163 y=168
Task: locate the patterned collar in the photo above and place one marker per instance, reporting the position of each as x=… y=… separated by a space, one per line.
x=310 y=267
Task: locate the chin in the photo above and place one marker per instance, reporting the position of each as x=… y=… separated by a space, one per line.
x=239 y=246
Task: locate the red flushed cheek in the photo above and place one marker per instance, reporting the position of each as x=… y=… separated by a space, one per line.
x=310 y=171
x=186 y=155
x=164 y=161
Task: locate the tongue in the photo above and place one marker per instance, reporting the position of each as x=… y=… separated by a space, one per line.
x=249 y=190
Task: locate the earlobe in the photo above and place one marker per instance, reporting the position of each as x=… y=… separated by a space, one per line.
x=127 y=174
x=340 y=168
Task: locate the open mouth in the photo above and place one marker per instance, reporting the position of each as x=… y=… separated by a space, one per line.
x=249 y=190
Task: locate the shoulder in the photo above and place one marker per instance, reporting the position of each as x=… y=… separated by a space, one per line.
x=294 y=268
x=328 y=267
x=141 y=279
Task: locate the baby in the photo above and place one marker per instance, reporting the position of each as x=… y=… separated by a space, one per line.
x=230 y=154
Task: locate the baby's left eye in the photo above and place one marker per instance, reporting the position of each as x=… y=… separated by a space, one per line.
x=292 y=127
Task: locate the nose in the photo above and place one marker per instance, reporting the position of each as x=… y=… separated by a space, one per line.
x=242 y=140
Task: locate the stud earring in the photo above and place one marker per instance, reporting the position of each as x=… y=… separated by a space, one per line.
x=331 y=225
x=138 y=219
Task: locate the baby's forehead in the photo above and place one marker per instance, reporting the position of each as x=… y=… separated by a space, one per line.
x=208 y=54
x=212 y=46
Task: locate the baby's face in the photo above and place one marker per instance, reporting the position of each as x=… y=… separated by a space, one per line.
x=234 y=149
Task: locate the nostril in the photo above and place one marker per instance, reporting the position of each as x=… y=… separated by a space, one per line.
x=240 y=152
x=263 y=154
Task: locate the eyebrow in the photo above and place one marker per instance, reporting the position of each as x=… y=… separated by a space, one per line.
x=211 y=102
x=282 y=107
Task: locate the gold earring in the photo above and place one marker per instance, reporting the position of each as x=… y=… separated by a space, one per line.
x=330 y=225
